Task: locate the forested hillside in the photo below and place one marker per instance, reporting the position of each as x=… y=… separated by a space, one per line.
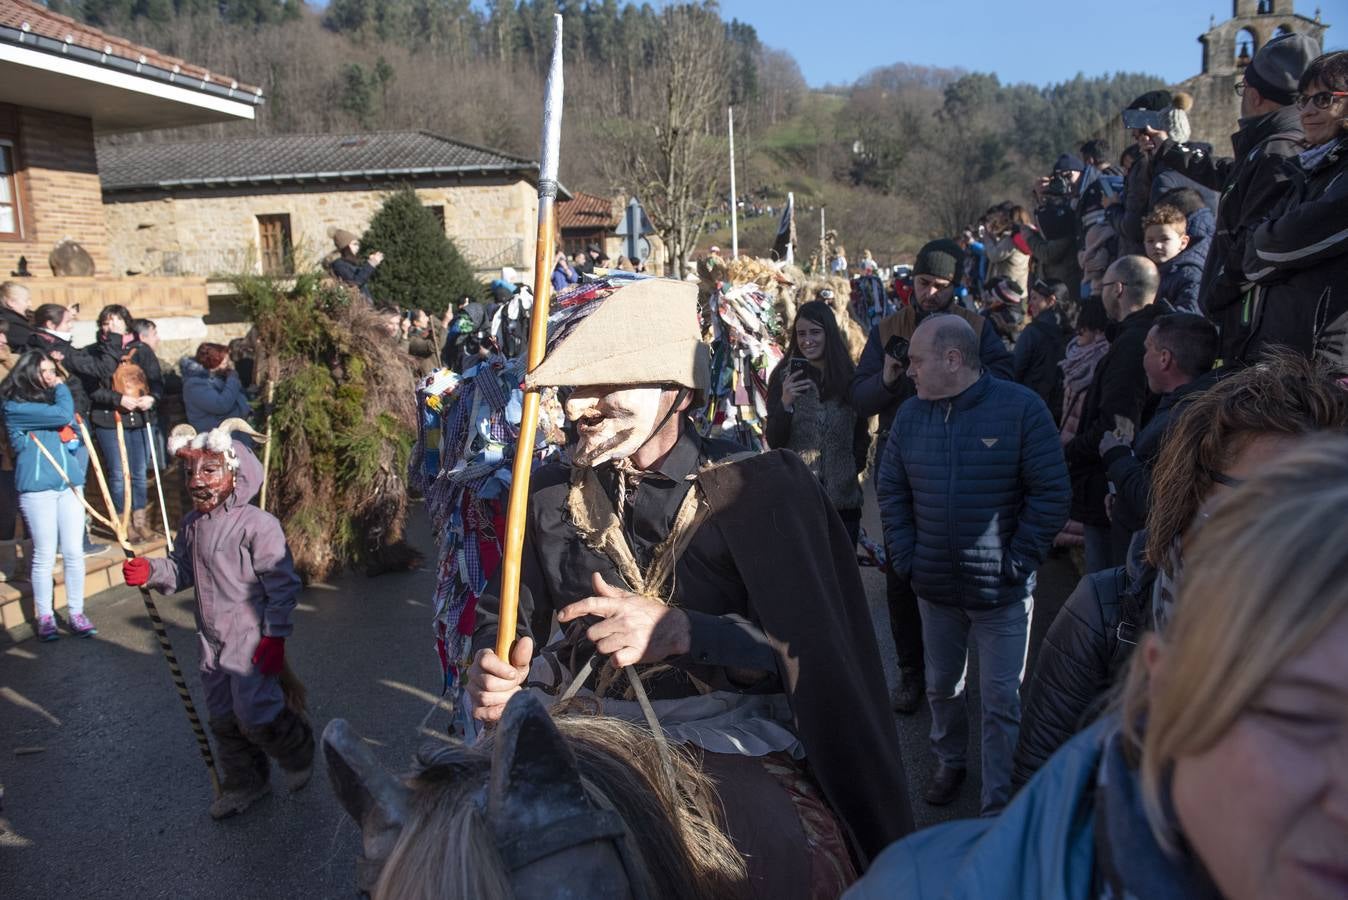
x=904 y=153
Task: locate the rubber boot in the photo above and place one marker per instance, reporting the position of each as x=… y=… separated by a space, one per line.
x=243 y=767
x=288 y=739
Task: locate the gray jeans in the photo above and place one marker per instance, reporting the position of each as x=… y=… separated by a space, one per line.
x=1002 y=636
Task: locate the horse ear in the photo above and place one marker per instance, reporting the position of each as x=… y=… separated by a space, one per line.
x=534 y=777
x=375 y=799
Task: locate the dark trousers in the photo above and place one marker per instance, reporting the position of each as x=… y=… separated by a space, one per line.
x=905 y=623
x=851 y=519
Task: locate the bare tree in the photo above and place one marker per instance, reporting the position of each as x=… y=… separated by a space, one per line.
x=673 y=156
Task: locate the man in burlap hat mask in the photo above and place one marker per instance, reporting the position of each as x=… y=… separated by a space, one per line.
x=724 y=578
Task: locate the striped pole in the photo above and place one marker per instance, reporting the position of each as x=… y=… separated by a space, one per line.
x=160 y=632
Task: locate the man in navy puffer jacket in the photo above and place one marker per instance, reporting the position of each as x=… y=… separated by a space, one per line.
x=972 y=490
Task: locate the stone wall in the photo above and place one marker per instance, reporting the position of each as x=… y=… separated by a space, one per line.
x=216 y=232
x=58 y=187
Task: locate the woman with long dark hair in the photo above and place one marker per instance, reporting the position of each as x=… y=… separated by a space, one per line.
x=39 y=414
x=808 y=411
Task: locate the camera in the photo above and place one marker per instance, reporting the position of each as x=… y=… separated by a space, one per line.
x=897 y=349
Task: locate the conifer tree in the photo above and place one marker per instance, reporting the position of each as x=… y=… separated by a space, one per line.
x=422 y=269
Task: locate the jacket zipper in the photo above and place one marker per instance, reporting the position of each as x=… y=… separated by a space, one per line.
x=950 y=506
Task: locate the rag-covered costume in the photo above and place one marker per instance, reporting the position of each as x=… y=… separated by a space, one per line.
x=782 y=676
x=235 y=558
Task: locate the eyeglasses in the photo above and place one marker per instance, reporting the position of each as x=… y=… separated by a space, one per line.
x=1239 y=88
x=1320 y=100
x=1105 y=284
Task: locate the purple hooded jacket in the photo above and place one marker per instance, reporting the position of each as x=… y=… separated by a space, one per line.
x=236 y=558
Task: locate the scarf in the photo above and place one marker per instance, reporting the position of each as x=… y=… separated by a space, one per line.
x=1078 y=367
x=599 y=522
x=1130 y=862
x=1310 y=159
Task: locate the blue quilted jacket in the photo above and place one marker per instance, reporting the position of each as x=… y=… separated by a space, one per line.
x=972 y=490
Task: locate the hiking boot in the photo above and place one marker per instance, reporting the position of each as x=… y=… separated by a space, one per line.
x=296 y=780
x=945 y=784
x=80 y=626
x=908 y=695
x=46 y=629
x=231 y=803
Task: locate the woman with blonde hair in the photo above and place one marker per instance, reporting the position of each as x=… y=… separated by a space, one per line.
x=1224 y=435
x=1224 y=770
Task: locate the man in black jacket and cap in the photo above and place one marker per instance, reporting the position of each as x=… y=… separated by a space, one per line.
x=880 y=386
x=1251 y=181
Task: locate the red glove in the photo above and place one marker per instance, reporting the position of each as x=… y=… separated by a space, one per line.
x=270 y=655
x=136 y=572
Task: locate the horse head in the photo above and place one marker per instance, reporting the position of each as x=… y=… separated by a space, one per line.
x=550 y=840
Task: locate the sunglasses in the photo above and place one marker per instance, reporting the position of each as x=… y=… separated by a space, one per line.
x=1320 y=100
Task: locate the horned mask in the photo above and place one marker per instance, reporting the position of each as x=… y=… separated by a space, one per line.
x=209 y=460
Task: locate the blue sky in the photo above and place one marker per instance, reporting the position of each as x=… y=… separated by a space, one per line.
x=1039 y=41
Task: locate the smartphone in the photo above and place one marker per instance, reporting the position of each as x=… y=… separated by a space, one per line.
x=897 y=348
x=1138 y=119
x=800 y=366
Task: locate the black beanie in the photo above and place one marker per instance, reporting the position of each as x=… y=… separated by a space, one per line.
x=939 y=259
x=1277 y=67
x=1152 y=100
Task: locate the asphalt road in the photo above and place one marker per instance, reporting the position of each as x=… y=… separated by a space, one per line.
x=106 y=795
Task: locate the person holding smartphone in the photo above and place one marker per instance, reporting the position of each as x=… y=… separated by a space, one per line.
x=808 y=410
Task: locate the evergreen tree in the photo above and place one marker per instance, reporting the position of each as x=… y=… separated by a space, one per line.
x=422 y=269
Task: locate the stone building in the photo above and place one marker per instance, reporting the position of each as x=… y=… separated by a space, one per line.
x=63 y=84
x=270 y=204
x=1227 y=49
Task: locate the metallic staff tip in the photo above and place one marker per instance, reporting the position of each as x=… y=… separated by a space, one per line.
x=552 y=115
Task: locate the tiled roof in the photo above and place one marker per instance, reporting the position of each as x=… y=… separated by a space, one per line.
x=296 y=158
x=27 y=19
x=585 y=211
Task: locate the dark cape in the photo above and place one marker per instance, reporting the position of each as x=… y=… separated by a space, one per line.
x=772 y=532
x=806 y=594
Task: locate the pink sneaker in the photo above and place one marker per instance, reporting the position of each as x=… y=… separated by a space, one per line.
x=80 y=626
x=46 y=629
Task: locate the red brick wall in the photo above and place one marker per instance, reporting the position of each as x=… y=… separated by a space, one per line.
x=58 y=187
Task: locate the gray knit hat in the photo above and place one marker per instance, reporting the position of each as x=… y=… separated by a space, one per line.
x=1277 y=67
x=1176 y=119
x=939 y=259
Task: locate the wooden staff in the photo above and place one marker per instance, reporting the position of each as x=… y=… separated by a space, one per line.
x=538 y=338
x=158 y=483
x=266 y=448
x=160 y=632
x=126 y=476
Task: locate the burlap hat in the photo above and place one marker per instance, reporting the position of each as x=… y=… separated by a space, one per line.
x=645 y=332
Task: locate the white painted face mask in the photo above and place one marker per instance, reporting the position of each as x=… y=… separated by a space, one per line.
x=613 y=425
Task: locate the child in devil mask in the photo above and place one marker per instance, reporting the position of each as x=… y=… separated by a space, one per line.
x=235 y=558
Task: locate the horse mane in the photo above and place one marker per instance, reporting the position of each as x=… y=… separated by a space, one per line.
x=447 y=850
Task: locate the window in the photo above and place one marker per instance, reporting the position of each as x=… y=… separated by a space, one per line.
x=11 y=224
x=439 y=213
x=278 y=257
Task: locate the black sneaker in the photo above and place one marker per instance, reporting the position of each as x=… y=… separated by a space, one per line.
x=945 y=785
